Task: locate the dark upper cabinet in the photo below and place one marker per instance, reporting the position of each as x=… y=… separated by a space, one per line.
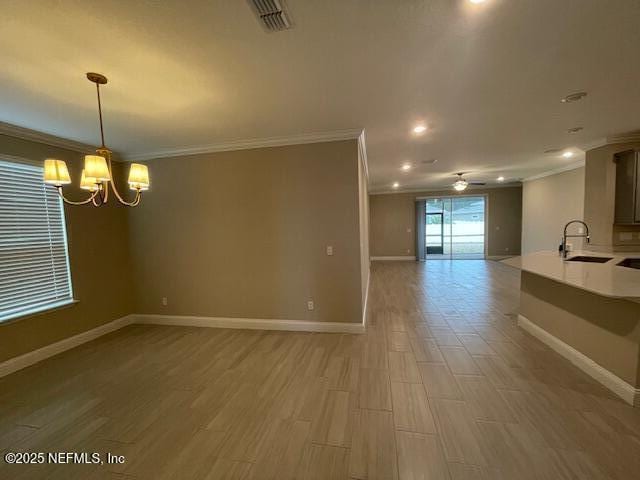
x=627 y=209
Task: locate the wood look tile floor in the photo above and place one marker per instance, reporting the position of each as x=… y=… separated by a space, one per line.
x=443 y=385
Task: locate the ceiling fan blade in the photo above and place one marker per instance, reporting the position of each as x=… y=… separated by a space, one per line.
x=477 y=183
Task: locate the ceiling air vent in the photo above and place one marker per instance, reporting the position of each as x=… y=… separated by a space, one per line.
x=271 y=14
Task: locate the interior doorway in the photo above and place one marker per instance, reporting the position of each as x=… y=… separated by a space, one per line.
x=455 y=227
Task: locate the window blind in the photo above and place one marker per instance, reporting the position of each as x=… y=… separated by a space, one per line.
x=34 y=263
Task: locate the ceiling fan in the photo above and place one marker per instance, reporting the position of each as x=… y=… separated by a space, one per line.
x=461 y=184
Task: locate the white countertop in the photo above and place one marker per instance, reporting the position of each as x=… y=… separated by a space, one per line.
x=606 y=279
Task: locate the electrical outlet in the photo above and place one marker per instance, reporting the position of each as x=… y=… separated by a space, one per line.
x=329 y=250
x=164 y=301
x=408 y=250
x=310 y=305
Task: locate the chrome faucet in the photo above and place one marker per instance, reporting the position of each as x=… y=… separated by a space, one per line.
x=565 y=236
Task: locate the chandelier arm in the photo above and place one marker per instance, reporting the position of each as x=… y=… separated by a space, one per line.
x=103 y=195
x=132 y=203
x=136 y=200
x=71 y=202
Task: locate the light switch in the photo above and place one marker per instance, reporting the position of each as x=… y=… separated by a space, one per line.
x=329 y=250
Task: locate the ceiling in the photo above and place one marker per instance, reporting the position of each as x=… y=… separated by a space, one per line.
x=486 y=79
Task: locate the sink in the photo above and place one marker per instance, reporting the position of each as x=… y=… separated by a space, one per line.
x=630 y=263
x=584 y=258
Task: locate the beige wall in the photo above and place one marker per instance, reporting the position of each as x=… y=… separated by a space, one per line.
x=99 y=259
x=599 y=203
x=548 y=203
x=393 y=221
x=244 y=234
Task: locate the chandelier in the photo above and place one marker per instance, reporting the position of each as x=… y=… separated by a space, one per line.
x=97 y=175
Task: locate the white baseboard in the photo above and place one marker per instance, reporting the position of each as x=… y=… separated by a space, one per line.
x=627 y=392
x=407 y=258
x=498 y=257
x=250 y=323
x=17 y=363
x=366 y=303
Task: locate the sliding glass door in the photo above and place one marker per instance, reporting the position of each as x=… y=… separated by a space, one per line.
x=455 y=227
x=434 y=229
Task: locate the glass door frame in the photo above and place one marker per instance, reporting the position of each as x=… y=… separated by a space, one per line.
x=441 y=247
x=486 y=217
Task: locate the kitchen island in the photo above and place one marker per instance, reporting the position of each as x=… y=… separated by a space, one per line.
x=587 y=312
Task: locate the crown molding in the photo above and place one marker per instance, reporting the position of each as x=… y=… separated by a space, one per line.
x=248 y=144
x=45 y=138
x=445 y=189
x=627 y=137
x=555 y=171
x=597 y=143
x=55 y=141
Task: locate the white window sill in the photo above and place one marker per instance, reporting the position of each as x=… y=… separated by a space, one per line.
x=39 y=311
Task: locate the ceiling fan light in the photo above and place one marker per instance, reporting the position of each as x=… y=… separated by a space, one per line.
x=460 y=185
x=56 y=172
x=96 y=167
x=138 y=177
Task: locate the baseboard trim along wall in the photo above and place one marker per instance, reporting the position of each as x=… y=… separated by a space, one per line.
x=400 y=257
x=18 y=363
x=498 y=257
x=250 y=323
x=366 y=303
x=627 y=392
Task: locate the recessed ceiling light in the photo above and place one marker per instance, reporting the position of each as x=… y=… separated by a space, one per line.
x=574 y=97
x=406 y=167
x=500 y=179
x=574 y=130
x=419 y=129
x=477 y=1
x=567 y=154
x=395 y=185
